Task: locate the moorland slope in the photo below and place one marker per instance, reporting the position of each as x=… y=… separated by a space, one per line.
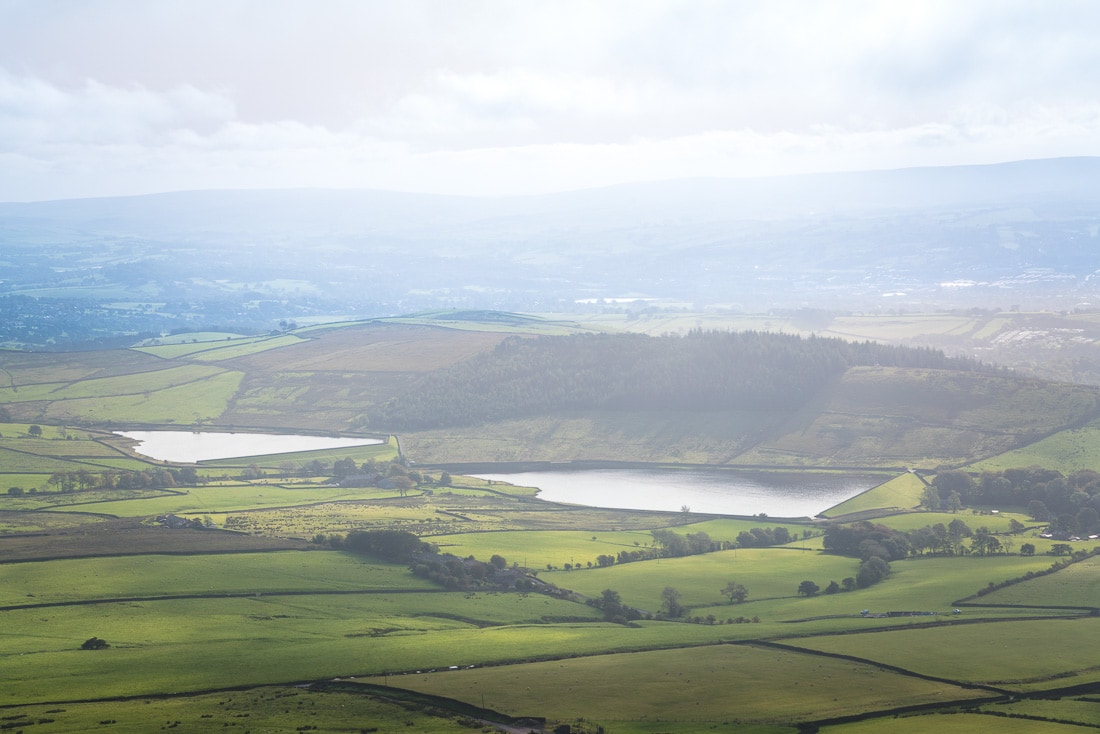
x=759 y=399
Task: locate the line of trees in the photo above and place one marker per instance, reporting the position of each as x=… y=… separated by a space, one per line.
x=702 y=371
x=1069 y=503
x=157 y=478
x=866 y=540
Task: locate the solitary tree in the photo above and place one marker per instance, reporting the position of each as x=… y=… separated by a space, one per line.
x=808 y=588
x=402 y=484
x=736 y=592
x=1027 y=549
x=94 y=643
x=670 y=599
x=34 y=430
x=611 y=604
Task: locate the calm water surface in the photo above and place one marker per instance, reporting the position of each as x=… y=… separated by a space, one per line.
x=193 y=446
x=718 y=492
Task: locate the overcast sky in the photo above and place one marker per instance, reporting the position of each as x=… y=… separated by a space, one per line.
x=108 y=97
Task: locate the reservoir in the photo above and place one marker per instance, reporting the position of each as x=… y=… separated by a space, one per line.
x=786 y=494
x=194 y=446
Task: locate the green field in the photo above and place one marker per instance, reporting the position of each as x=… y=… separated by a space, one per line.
x=81 y=579
x=216 y=350
x=1072 y=450
x=146 y=382
x=536 y=549
x=713 y=685
x=1078 y=585
x=900 y=493
x=958 y=724
x=1014 y=655
x=276 y=710
x=767 y=572
x=204 y=399
x=212 y=629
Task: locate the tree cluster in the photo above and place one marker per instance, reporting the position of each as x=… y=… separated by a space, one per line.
x=763 y=537
x=702 y=371
x=1069 y=503
x=671 y=544
x=613 y=608
x=875 y=546
x=454 y=573
x=392 y=545
x=158 y=478
x=810 y=588
x=867 y=541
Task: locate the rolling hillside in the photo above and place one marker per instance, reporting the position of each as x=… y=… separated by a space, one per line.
x=914 y=408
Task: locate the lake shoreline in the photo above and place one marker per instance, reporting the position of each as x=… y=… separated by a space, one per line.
x=697 y=490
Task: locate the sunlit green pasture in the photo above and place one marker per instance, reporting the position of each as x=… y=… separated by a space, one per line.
x=156 y=575
x=274 y=710
x=226 y=347
x=923 y=585
x=205 y=399
x=231 y=351
x=536 y=549
x=232 y=642
x=101 y=387
x=902 y=492
x=1068 y=451
x=1075 y=585
x=1084 y=710
x=221 y=498
x=1019 y=655
x=21 y=462
x=11 y=431
x=716 y=684
x=766 y=572
x=956 y=723
x=70 y=448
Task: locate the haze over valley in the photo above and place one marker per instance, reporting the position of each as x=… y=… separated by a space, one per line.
x=564 y=368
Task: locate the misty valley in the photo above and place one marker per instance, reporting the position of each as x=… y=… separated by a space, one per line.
x=802 y=454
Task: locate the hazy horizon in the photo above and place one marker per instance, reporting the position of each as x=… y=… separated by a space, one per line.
x=491 y=98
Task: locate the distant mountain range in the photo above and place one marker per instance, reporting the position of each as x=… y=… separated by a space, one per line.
x=1024 y=233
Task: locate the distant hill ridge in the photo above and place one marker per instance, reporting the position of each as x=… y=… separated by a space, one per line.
x=1021 y=234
